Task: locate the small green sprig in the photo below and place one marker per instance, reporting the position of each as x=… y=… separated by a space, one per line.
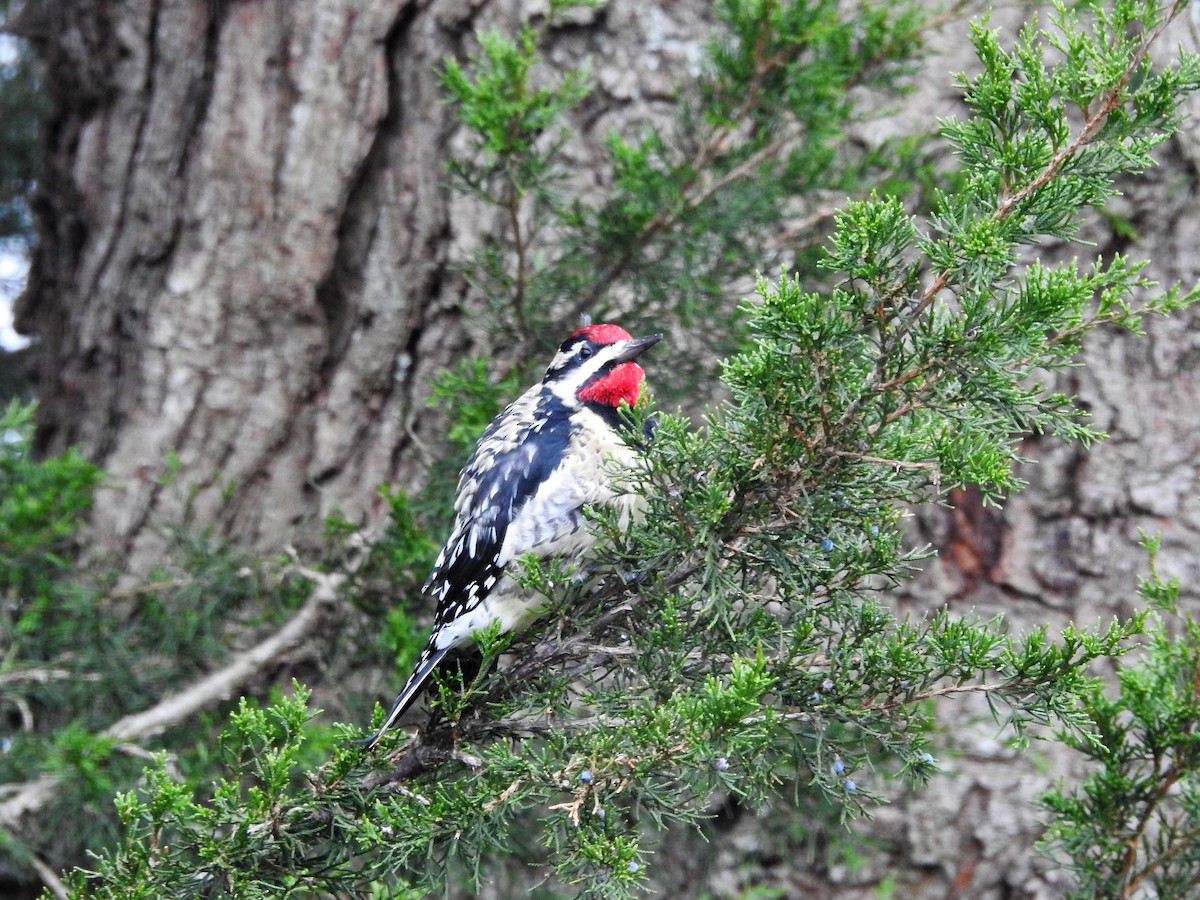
x=1135 y=823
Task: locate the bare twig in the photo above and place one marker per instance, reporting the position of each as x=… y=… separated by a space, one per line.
x=44 y=872
x=49 y=878
x=43 y=676
x=1167 y=780
x=25 y=799
x=222 y=683
x=885 y=461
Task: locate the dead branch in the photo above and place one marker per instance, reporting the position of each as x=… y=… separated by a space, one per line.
x=27 y=798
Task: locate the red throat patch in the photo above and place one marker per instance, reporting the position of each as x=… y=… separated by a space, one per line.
x=624 y=382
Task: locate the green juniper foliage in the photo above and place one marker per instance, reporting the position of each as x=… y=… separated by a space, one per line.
x=741 y=642
x=79 y=653
x=1135 y=823
x=40 y=506
x=687 y=209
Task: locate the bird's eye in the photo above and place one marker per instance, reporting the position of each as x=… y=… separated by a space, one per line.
x=585 y=352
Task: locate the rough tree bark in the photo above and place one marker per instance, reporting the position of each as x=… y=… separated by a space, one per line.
x=245 y=262
x=241 y=264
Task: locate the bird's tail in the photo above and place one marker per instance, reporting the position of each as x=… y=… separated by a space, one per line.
x=412 y=689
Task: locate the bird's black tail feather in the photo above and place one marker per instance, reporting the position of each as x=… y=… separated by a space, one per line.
x=412 y=689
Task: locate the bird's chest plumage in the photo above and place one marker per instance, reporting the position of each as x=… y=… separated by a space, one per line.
x=593 y=473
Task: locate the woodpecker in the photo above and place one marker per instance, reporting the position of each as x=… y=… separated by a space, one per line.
x=551 y=453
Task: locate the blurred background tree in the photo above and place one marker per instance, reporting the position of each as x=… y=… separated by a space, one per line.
x=22 y=105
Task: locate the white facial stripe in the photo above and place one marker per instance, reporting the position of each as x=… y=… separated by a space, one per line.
x=568 y=382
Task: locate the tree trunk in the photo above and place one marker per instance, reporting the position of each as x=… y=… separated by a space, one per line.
x=241 y=279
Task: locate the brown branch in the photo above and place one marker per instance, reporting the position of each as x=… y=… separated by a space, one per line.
x=885 y=461
x=27 y=798
x=1093 y=122
x=939 y=692
x=43 y=676
x=1166 y=783
x=1186 y=841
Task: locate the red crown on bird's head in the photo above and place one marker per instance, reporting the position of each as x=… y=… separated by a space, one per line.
x=602 y=334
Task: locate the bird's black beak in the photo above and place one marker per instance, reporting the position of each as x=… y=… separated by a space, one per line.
x=635 y=347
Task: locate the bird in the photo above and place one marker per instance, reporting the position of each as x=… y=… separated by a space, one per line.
x=549 y=455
